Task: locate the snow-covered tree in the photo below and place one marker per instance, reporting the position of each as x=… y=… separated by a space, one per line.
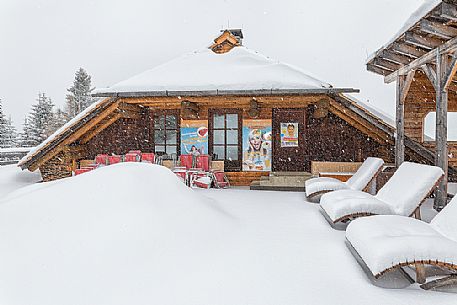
x=79 y=96
x=41 y=119
x=59 y=119
x=3 y=128
x=8 y=133
x=25 y=137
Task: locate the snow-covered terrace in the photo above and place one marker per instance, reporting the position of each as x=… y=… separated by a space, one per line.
x=116 y=243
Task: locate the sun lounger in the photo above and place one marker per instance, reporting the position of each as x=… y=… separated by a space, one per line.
x=360 y=181
x=402 y=195
x=387 y=243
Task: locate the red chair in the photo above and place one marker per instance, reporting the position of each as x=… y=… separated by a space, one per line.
x=101 y=159
x=147 y=157
x=114 y=159
x=181 y=173
x=220 y=180
x=203 y=162
x=186 y=161
x=82 y=170
x=131 y=157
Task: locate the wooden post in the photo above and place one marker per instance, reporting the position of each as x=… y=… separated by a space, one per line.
x=445 y=71
x=400 y=124
x=420 y=273
x=403 y=84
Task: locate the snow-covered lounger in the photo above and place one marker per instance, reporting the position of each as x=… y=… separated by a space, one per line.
x=389 y=242
x=360 y=181
x=402 y=195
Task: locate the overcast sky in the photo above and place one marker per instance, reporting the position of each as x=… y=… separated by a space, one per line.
x=43 y=42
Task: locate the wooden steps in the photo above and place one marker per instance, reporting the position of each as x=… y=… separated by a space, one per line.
x=244 y=178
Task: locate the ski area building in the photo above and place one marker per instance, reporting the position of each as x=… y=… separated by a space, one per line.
x=254 y=114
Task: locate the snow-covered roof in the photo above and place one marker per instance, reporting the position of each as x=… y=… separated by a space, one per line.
x=386 y=118
x=240 y=69
x=424 y=9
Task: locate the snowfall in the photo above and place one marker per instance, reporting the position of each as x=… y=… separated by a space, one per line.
x=132 y=233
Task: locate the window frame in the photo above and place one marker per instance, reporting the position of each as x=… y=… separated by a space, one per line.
x=166 y=112
x=229 y=165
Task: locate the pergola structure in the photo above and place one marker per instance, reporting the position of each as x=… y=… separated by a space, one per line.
x=422 y=60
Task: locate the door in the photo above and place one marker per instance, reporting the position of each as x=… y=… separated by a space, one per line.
x=289 y=140
x=225 y=137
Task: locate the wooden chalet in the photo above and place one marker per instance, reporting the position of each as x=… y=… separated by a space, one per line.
x=422 y=59
x=254 y=113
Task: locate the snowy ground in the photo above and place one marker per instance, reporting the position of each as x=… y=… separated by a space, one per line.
x=139 y=239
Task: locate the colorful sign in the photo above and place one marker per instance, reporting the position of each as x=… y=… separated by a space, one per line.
x=289 y=134
x=194 y=137
x=257 y=145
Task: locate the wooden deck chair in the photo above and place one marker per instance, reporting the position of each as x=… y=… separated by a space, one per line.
x=360 y=181
x=402 y=195
x=385 y=244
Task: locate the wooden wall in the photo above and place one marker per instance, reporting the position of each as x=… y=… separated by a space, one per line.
x=419 y=102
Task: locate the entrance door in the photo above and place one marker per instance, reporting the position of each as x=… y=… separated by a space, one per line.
x=289 y=140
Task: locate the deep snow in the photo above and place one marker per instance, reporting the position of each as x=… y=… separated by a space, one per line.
x=133 y=234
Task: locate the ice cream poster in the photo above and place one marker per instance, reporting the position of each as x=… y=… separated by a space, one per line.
x=257 y=145
x=289 y=134
x=194 y=136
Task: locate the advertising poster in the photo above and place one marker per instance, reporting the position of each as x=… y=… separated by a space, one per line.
x=194 y=137
x=257 y=145
x=289 y=134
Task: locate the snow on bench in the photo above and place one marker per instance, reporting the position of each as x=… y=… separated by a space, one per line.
x=401 y=195
x=387 y=242
x=359 y=181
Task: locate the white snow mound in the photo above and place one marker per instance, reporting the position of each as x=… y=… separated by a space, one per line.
x=117 y=235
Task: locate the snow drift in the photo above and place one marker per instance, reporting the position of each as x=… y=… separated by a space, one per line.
x=116 y=235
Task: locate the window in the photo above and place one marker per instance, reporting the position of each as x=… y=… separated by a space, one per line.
x=166 y=132
x=430 y=126
x=225 y=137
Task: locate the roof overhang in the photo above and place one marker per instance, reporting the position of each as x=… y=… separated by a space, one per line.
x=260 y=92
x=432 y=30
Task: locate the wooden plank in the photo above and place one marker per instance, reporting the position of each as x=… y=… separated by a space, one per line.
x=422 y=41
x=437 y=29
x=378 y=70
x=385 y=64
x=408 y=50
x=395 y=57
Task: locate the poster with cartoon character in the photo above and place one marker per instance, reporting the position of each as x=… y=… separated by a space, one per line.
x=289 y=134
x=257 y=145
x=194 y=137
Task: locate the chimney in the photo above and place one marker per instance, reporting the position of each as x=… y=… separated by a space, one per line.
x=226 y=41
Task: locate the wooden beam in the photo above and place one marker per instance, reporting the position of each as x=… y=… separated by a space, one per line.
x=422 y=41
x=443 y=69
x=420 y=273
x=448 y=47
x=430 y=73
x=437 y=29
x=448 y=11
x=403 y=85
x=388 y=65
x=378 y=70
x=74 y=136
x=395 y=57
x=408 y=50
x=99 y=128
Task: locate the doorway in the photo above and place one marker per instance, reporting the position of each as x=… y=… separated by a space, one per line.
x=289 y=149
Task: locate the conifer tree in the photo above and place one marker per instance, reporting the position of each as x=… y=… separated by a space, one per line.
x=3 y=128
x=41 y=119
x=79 y=96
x=25 y=138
